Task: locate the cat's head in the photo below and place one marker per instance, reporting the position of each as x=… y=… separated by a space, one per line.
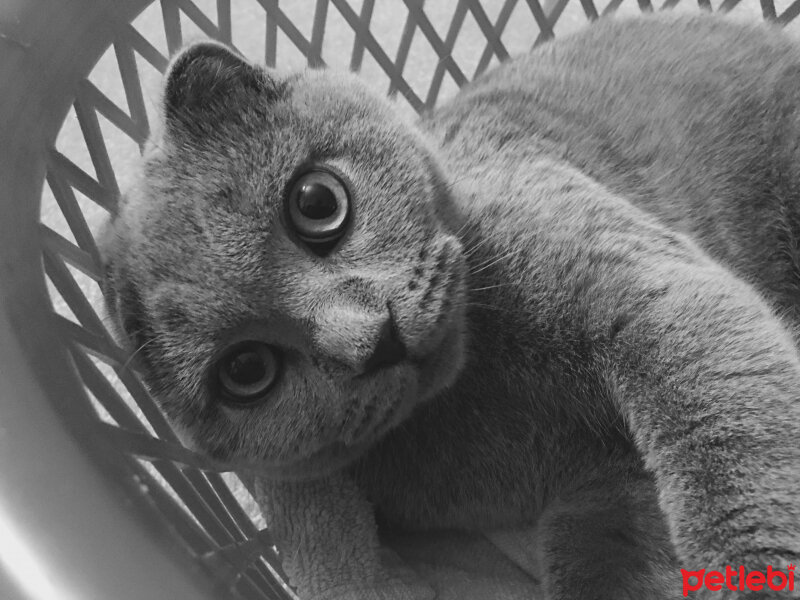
x=285 y=266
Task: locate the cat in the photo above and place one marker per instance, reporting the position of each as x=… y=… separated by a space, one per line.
x=568 y=298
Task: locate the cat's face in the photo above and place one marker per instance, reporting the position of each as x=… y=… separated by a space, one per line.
x=285 y=266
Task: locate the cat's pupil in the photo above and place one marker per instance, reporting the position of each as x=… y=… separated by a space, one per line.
x=247 y=372
x=246 y=368
x=316 y=201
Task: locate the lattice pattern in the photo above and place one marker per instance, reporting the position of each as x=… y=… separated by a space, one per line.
x=417 y=51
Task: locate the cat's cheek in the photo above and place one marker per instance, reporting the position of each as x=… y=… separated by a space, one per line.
x=313 y=420
x=441 y=367
x=300 y=419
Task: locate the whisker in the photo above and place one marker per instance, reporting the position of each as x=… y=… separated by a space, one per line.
x=493 y=255
x=476 y=242
x=493 y=262
x=471 y=304
x=127 y=363
x=471 y=250
x=492 y=287
x=453 y=182
x=463 y=229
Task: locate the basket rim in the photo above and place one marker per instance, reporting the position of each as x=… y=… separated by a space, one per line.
x=81 y=511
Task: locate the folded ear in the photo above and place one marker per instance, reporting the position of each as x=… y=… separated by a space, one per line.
x=206 y=77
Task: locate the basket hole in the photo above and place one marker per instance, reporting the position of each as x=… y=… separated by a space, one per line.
x=337 y=45
x=107 y=78
x=150 y=24
x=246 y=499
x=417 y=71
x=91 y=290
x=101 y=411
x=74 y=295
x=150 y=78
x=249 y=29
x=448 y=89
x=630 y=8
x=289 y=57
x=162 y=482
x=301 y=15
x=50 y=214
x=60 y=305
x=204 y=28
x=466 y=52
x=679 y=6
x=742 y=11
x=574 y=18
x=372 y=73
x=518 y=38
x=440 y=14
x=385 y=27
x=123 y=152
x=71 y=143
x=94 y=214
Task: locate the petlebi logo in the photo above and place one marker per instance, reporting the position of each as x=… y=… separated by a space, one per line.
x=738 y=580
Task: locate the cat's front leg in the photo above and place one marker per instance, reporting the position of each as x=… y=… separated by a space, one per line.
x=326 y=534
x=708 y=381
x=604 y=537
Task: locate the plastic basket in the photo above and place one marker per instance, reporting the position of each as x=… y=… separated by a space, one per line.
x=91 y=474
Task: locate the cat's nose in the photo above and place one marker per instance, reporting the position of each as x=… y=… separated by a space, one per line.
x=388 y=350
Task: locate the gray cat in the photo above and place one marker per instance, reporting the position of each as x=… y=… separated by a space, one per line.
x=568 y=298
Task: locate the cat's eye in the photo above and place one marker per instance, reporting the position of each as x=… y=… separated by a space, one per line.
x=319 y=208
x=246 y=372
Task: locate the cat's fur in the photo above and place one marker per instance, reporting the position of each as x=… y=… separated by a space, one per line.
x=584 y=252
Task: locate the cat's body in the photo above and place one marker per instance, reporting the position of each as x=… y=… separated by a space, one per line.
x=700 y=131
x=646 y=112
x=586 y=357
x=696 y=124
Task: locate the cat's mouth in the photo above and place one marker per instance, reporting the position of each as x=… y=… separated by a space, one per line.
x=423 y=376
